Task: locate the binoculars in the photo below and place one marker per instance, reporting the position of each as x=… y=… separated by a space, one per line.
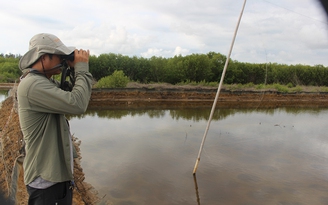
x=69 y=57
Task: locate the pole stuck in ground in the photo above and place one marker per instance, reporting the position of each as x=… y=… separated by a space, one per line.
x=218 y=91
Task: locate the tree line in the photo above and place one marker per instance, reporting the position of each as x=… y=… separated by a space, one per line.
x=191 y=68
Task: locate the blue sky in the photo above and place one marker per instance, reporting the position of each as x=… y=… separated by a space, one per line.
x=279 y=31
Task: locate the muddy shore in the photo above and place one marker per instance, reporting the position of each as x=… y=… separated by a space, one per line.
x=198 y=97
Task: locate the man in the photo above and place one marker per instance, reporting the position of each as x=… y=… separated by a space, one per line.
x=48 y=164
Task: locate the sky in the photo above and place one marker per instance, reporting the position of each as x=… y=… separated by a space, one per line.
x=276 y=31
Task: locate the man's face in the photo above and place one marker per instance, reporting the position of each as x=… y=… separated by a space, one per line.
x=52 y=62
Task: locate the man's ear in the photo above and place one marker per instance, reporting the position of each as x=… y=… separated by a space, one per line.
x=43 y=57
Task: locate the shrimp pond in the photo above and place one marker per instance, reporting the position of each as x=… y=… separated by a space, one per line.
x=250 y=156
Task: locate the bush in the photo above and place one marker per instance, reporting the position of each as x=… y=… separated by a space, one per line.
x=249 y=85
x=297 y=89
x=281 y=88
x=260 y=86
x=116 y=80
x=213 y=84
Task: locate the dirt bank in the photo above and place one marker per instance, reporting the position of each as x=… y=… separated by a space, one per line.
x=200 y=97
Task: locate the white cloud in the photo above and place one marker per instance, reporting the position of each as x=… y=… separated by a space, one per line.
x=152 y=52
x=293 y=31
x=180 y=51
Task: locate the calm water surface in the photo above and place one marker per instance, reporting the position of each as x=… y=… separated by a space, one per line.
x=250 y=157
x=3 y=95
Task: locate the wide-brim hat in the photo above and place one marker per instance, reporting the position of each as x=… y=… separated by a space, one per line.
x=41 y=44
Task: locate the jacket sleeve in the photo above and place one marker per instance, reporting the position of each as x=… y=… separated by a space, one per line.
x=45 y=96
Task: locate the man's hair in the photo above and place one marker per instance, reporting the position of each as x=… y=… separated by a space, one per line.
x=50 y=56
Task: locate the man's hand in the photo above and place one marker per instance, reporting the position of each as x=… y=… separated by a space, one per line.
x=79 y=56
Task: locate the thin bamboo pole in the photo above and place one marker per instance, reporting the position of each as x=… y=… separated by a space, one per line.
x=218 y=91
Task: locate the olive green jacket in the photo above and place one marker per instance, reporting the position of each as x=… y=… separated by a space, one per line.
x=42 y=106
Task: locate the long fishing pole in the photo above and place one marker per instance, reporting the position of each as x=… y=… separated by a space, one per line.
x=218 y=91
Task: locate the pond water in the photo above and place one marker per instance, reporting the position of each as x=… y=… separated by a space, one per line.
x=277 y=156
x=250 y=156
x=3 y=95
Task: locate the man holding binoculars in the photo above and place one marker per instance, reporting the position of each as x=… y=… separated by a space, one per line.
x=42 y=105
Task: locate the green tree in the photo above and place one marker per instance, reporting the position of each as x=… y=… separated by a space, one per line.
x=174 y=70
x=9 y=71
x=217 y=62
x=116 y=80
x=157 y=69
x=197 y=68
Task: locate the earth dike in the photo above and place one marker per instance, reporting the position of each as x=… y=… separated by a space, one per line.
x=200 y=97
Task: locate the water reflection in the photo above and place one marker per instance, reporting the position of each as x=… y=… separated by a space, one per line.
x=196 y=188
x=276 y=156
x=3 y=95
x=189 y=113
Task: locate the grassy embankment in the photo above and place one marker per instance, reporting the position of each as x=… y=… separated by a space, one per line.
x=233 y=87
